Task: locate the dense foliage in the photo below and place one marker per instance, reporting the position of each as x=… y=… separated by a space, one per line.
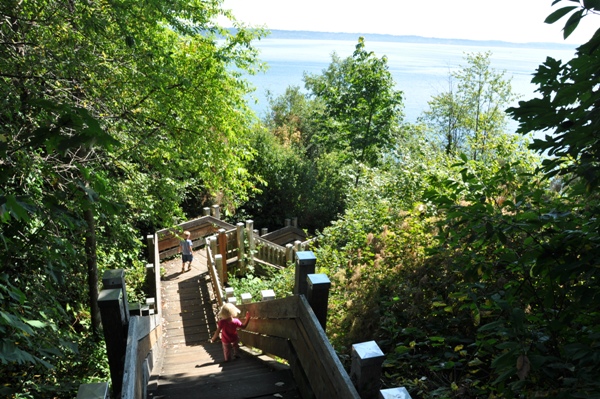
x=470 y=260
x=470 y=117
x=113 y=113
x=489 y=288
x=322 y=140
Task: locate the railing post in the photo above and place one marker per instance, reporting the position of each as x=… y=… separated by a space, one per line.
x=246 y=297
x=213 y=245
x=318 y=296
x=216 y=211
x=206 y=211
x=150 y=280
x=150 y=245
x=135 y=309
x=228 y=292
x=295 y=222
x=305 y=265
x=267 y=295
x=394 y=393
x=289 y=253
x=208 y=251
x=156 y=263
x=263 y=231
x=250 y=234
x=222 y=240
x=95 y=390
x=219 y=265
x=241 y=249
x=365 y=371
x=287 y=223
x=114 y=322
x=115 y=278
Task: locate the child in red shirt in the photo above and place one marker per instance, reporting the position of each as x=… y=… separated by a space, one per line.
x=228 y=325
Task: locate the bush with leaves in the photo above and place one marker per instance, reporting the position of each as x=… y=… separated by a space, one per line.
x=110 y=112
x=281 y=282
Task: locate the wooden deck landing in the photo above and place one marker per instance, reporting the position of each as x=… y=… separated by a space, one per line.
x=192 y=367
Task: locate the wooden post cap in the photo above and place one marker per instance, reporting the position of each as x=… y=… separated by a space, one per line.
x=246 y=297
x=368 y=353
x=394 y=393
x=267 y=295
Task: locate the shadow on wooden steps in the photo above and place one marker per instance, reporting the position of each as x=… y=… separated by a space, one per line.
x=192 y=367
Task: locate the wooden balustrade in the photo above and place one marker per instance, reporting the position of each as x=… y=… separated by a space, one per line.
x=292 y=328
x=214 y=275
x=289 y=329
x=241 y=247
x=95 y=390
x=170 y=239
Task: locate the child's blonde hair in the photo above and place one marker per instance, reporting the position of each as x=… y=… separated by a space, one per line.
x=187 y=234
x=229 y=310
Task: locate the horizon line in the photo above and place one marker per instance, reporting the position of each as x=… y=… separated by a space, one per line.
x=421 y=39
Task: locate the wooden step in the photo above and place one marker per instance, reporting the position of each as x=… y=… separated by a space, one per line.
x=191 y=366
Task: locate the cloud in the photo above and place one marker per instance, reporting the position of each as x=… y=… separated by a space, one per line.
x=508 y=20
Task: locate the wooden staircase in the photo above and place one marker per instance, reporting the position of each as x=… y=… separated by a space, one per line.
x=192 y=367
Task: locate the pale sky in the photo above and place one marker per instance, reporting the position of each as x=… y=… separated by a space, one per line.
x=507 y=20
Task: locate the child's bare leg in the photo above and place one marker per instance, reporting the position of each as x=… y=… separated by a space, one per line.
x=236 y=350
x=227 y=351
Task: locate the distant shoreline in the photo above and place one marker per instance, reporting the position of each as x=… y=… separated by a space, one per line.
x=308 y=35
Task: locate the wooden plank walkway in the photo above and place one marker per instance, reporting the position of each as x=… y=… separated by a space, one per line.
x=192 y=367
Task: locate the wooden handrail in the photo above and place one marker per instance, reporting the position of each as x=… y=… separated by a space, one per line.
x=144 y=334
x=169 y=239
x=214 y=276
x=266 y=251
x=288 y=328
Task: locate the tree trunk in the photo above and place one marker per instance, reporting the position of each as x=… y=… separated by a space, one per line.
x=92 y=270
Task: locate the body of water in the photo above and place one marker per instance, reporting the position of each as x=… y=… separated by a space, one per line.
x=420 y=70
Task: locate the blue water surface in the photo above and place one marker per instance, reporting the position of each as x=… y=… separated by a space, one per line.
x=420 y=70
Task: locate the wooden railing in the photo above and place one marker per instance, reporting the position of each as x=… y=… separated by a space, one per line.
x=134 y=339
x=232 y=251
x=236 y=244
x=169 y=240
x=293 y=328
x=288 y=328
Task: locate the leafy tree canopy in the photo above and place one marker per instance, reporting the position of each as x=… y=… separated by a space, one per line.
x=361 y=107
x=112 y=113
x=470 y=117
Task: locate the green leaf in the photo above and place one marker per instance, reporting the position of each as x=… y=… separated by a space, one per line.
x=9 y=353
x=508 y=359
x=592 y=4
x=572 y=23
x=476 y=315
x=36 y=323
x=518 y=318
x=16 y=208
x=491 y=326
x=558 y=14
x=475 y=362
